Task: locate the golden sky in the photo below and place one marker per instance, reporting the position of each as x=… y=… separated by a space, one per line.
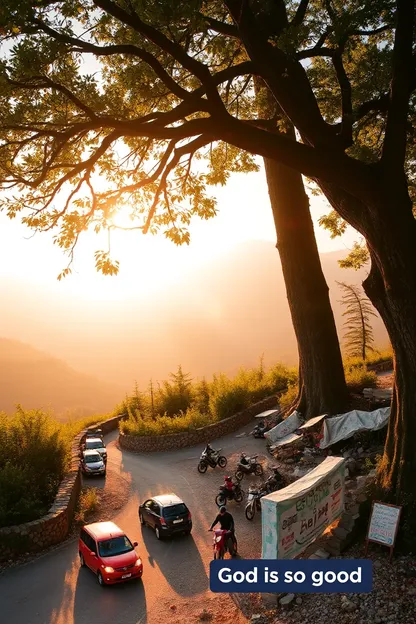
x=151 y=261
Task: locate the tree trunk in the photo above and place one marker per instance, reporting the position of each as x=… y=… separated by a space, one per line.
x=391 y=286
x=322 y=387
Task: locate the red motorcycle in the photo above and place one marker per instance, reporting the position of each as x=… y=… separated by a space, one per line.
x=224 y=541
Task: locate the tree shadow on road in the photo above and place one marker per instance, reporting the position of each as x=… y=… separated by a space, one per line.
x=179 y=561
x=123 y=603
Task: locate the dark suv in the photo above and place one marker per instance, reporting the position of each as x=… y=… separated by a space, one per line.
x=166 y=514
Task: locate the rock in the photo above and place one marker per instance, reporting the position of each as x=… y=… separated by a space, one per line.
x=298 y=600
x=257 y=618
x=322 y=554
x=411 y=591
x=351 y=465
x=360 y=450
x=269 y=600
x=348 y=605
x=287 y=600
x=377 y=564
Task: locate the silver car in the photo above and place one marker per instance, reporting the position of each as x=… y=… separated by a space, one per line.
x=96 y=444
x=92 y=463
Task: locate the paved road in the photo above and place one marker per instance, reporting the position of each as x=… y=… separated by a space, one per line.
x=54 y=590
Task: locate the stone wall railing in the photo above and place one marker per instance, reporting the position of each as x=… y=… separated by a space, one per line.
x=381 y=366
x=55 y=525
x=146 y=444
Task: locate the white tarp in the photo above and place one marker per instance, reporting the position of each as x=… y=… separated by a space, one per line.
x=289 y=425
x=313 y=421
x=296 y=515
x=267 y=413
x=289 y=439
x=344 y=426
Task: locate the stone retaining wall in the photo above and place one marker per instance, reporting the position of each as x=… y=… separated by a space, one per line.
x=381 y=366
x=146 y=444
x=55 y=525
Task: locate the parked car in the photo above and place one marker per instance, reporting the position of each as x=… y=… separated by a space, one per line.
x=98 y=433
x=107 y=551
x=96 y=444
x=166 y=514
x=92 y=463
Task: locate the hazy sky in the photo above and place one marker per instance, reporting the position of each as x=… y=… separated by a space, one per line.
x=148 y=263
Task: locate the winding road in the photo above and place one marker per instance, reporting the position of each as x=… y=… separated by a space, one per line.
x=53 y=589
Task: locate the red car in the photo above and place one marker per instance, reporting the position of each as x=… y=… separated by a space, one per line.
x=109 y=553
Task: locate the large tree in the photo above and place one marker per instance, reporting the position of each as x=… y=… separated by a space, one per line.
x=343 y=72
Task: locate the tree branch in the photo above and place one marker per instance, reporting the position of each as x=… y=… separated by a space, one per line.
x=229 y=30
x=198 y=69
x=189 y=148
x=300 y=13
x=346 y=99
x=129 y=49
x=285 y=77
x=44 y=82
x=394 y=148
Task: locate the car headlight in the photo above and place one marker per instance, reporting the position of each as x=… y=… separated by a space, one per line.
x=108 y=569
x=138 y=563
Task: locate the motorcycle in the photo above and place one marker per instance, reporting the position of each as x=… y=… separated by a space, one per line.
x=211 y=457
x=223 y=543
x=225 y=495
x=274 y=482
x=259 y=430
x=248 y=465
x=253 y=502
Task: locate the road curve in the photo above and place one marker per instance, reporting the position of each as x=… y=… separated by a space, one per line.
x=54 y=590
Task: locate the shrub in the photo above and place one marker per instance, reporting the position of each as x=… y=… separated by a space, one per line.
x=359 y=377
x=186 y=421
x=88 y=502
x=289 y=397
x=33 y=458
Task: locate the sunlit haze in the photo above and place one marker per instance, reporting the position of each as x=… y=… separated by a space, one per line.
x=201 y=305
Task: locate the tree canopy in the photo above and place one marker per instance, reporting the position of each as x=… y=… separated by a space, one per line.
x=144 y=105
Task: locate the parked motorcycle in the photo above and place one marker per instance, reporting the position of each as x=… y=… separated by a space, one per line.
x=248 y=465
x=211 y=457
x=253 y=501
x=225 y=495
x=259 y=430
x=223 y=543
x=274 y=482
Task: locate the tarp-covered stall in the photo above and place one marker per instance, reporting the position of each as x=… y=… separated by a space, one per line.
x=312 y=422
x=294 y=516
x=345 y=426
x=287 y=426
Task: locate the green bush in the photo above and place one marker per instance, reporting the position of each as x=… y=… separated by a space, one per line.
x=202 y=402
x=33 y=458
x=359 y=377
x=163 y=425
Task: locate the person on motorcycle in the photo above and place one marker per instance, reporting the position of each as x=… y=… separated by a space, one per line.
x=226 y=523
x=243 y=459
x=228 y=483
x=209 y=450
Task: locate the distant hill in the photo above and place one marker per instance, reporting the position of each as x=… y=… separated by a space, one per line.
x=35 y=379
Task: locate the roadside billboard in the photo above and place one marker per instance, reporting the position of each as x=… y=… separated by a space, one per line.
x=294 y=516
